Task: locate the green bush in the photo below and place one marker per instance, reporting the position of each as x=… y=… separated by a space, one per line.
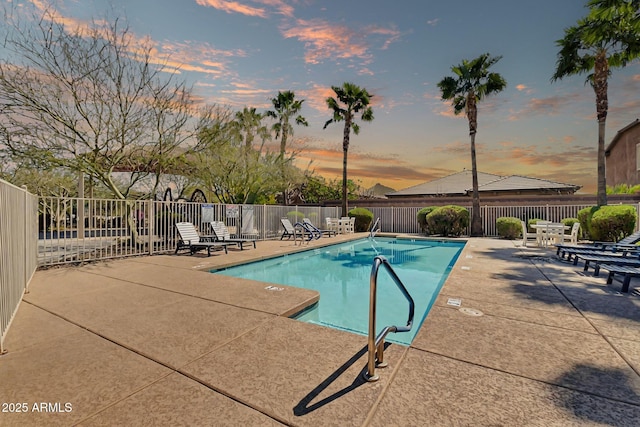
x=509 y=227
x=364 y=218
x=295 y=216
x=422 y=218
x=612 y=223
x=584 y=216
x=530 y=222
x=569 y=221
x=450 y=220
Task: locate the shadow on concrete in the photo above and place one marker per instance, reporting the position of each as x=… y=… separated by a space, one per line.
x=611 y=384
x=305 y=406
x=532 y=274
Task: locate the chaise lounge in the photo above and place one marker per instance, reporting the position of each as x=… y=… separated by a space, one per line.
x=191 y=240
x=291 y=231
x=221 y=233
x=628 y=243
x=329 y=232
x=627 y=273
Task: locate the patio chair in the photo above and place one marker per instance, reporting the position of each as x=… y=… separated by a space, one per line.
x=191 y=240
x=526 y=235
x=329 y=232
x=573 y=235
x=628 y=244
x=587 y=250
x=347 y=224
x=291 y=231
x=332 y=224
x=626 y=271
x=221 y=233
x=597 y=260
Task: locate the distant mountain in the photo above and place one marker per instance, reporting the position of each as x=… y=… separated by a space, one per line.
x=380 y=190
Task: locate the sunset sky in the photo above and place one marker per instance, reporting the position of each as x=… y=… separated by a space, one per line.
x=241 y=53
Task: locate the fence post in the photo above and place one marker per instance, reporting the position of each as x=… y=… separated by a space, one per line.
x=151 y=220
x=26 y=238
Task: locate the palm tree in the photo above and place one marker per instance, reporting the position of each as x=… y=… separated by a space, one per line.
x=249 y=123
x=608 y=37
x=472 y=83
x=355 y=100
x=285 y=106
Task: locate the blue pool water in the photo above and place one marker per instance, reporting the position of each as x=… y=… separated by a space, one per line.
x=341 y=274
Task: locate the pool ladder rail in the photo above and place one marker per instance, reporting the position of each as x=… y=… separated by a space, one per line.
x=376 y=343
x=374 y=230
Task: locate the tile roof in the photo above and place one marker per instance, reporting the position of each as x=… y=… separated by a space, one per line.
x=461 y=184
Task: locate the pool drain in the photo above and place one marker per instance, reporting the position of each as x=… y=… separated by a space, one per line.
x=470 y=311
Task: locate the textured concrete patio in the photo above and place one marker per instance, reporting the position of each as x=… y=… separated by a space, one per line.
x=157 y=341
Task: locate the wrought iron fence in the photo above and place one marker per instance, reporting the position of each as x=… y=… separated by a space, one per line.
x=404 y=219
x=18 y=243
x=73 y=230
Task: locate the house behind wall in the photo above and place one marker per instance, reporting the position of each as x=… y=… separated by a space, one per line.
x=623 y=156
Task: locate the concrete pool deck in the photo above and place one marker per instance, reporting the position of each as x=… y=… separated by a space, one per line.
x=156 y=341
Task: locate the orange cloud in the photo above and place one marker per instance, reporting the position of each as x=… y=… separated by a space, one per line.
x=233 y=7
x=550 y=106
x=324 y=40
x=280 y=6
x=316 y=97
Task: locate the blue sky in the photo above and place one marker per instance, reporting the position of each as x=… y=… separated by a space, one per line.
x=241 y=53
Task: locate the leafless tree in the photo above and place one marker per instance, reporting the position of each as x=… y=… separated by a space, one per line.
x=89 y=98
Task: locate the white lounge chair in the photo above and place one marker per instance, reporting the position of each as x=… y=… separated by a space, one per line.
x=221 y=233
x=329 y=232
x=291 y=231
x=190 y=239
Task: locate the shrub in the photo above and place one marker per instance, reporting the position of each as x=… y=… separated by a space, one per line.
x=569 y=221
x=422 y=218
x=509 y=227
x=530 y=222
x=584 y=216
x=295 y=216
x=612 y=223
x=364 y=218
x=450 y=220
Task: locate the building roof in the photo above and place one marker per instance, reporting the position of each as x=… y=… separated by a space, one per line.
x=619 y=134
x=380 y=190
x=460 y=184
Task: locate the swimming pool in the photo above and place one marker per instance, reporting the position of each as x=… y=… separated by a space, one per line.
x=341 y=274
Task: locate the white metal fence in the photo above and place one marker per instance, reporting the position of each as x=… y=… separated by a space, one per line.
x=18 y=243
x=72 y=230
x=404 y=219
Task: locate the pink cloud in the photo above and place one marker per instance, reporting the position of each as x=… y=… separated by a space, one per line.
x=324 y=40
x=277 y=6
x=233 y=7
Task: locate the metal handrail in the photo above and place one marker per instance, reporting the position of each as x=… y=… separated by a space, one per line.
x=373 y=231
x=376 y=343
